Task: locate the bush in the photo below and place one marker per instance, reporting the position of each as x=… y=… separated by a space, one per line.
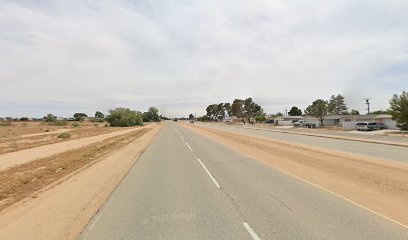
x=23 y=119
x=124 y=117
x=75 y=124
x=64 y=135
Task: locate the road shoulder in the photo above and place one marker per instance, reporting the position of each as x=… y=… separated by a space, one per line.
x=62 y=211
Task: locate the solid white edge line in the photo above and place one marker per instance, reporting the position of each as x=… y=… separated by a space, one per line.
x=209 y=174
x=251 y=232
x=189 y=147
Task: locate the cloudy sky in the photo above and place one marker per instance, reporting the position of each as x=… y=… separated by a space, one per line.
x=62 y=56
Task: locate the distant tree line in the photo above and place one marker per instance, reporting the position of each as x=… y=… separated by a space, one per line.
x=245 y=109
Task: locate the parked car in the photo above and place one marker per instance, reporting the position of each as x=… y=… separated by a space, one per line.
x=301 y=123
x=381 y=126
x=369 y=126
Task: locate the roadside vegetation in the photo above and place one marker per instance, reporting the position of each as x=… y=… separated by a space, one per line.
x=124 y=117
x=248 y=111
x=399 y=109
x=245 y=109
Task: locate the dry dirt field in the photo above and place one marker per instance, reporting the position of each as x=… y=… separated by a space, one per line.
x=23 y=135
x=377 y=185
x=26 y=187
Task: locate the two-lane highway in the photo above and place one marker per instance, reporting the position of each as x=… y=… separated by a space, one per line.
x=186 y=186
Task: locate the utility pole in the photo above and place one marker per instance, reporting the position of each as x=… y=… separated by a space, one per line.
x=367 y=101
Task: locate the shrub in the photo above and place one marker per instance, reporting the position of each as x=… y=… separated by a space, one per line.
x=64 y=135
x=23 y=119
x=124 y=117
x=75 y=124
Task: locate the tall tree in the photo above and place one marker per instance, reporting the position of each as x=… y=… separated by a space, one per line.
x=295 y=111
x=354 y=112
x=318 y=109
x=251 y=109
x=220 y=111
x=80 y=116
x=99 y=115
x=191 y=116
x=337 y=105
x=238 y=110
x=227 y=107
x=399 y=109
x=212 y=111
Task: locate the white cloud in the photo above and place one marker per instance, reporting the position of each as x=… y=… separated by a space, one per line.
x=68 y=56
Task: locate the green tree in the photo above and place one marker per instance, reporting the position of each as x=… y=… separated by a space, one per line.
x=238 y=110
x=337 y=105
x=354 y=112
x=251 y=109
x=295 y=111
x=260 y=118
x=154 y=114
x=399 y=109
x=80 y=116
x=278 y=114
x=212 y=111
x=99 y=115
x=191 y=116
x=379 y=112
x=205 y=118
x=228 y=109
x=50 y=118
x=318 y=109
x=124 y=117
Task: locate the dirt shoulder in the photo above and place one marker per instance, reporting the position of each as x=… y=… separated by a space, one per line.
x=377 y=185
x=62 y=209
x=324 y=135
x=11 y=159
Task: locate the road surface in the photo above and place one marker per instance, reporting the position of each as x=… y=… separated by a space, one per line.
x=186 y=186
x=380 y=151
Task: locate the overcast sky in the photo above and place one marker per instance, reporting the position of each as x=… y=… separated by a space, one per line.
x=62 y=56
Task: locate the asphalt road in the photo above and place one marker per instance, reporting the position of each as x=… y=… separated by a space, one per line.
x=186 y=186
x=379 y=151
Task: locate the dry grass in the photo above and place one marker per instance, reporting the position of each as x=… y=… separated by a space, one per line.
x=27 y=179
x=19 y=136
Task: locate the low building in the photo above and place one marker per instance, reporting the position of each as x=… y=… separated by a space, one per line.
x=348 y=122
x=286 y=120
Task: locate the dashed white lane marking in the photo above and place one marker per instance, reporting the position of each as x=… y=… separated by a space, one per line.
x=209 y=174
x=251 y=232
x=189 y=147
x=182 y=138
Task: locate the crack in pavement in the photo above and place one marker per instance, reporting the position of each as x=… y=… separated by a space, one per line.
x=280 y=201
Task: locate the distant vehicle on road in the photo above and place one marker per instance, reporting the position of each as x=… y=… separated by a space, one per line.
x=369 y=126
